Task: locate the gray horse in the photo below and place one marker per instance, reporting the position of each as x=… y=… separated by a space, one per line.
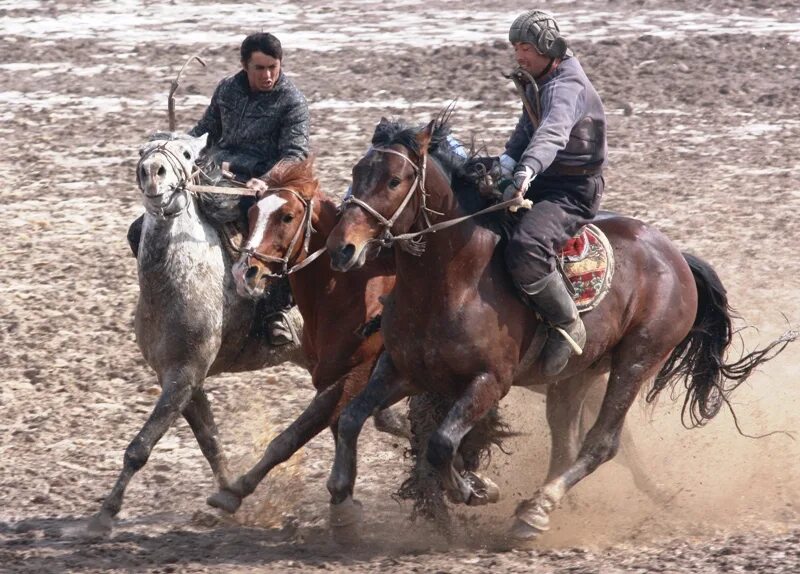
x=190 y=321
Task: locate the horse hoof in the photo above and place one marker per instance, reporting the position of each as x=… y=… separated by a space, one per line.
x=99 y=525
x=484 y=490
x=523 y=533
x=225 y=500
x=345 y=522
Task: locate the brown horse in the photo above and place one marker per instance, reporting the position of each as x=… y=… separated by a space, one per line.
x=288 y=227
x=454 y=324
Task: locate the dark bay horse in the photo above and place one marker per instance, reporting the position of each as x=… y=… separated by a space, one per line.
x=288 y=225
x=454 y=324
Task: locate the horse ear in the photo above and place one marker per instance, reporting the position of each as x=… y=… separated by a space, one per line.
x=383 y=121
x=424 y=137
x=146 y=147
x=199 y=143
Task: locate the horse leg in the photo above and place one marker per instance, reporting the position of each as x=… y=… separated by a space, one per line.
x=564 y=405
x=480 y=396
x=200 y=418
x=628 y=453
x=632 y=365
x=389 y=421
x=176 y=392
x=385 y=387
x=310 y=423
x=426 y=412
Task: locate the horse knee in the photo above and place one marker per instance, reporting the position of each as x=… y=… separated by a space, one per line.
x=349 y=424
x=136 y=455
x=440 y=450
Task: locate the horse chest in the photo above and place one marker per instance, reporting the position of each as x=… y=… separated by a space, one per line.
x=434 y=346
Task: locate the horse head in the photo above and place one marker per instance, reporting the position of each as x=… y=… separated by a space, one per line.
x=388 y=192
x=280 y=223
x=166 y=164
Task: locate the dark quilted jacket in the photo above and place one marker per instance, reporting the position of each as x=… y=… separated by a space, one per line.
x=253 y=131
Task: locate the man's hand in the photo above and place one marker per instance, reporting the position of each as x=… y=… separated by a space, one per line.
x=523 y=176
x=257 y=185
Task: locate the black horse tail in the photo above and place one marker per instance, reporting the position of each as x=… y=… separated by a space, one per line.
x=699 y=359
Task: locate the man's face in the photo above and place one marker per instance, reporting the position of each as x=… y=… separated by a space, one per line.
x=262 y=71
x=529 y=59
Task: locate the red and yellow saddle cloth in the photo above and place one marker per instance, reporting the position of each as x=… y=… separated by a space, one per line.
x=587 y=261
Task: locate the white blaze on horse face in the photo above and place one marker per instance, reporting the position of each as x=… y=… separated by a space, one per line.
x=266 y=207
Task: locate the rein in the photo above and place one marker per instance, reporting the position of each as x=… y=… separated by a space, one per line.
x=411 y=241
x=306 y=229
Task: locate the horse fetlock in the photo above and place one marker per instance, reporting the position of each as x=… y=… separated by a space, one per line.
x=439 y=452
x=345 y=521
x=225 y=500
x=101 y=524
x=484 y=490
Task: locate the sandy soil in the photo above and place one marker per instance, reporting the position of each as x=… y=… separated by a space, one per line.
x=704 y=125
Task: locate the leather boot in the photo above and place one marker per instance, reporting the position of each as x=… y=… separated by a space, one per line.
x=281 y=327
x=552 y=300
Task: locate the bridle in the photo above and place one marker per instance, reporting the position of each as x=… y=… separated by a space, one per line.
x=412 y=242
x=304 y=230
x=177 y=166
x=386 y=238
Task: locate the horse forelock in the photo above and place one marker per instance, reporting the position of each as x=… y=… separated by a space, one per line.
x=296 y=175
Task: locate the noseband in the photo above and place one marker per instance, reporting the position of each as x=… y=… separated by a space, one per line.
x=176 y=165
x=413 y=242
x=306 y=229
x=387 y=239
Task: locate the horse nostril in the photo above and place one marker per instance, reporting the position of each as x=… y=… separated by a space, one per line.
x=251 y=273
x=342 y=255
x=162 y=171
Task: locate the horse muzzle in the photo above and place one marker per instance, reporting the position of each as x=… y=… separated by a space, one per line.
x=348 y=256
x=248 y=280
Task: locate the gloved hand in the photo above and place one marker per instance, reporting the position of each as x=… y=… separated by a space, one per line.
x=507 y=165
x=523 y=176
x=258 y=185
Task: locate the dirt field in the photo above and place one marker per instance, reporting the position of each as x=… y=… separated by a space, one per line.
x=704 y=133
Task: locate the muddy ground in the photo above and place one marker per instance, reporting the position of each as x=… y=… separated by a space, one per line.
x=704 y=131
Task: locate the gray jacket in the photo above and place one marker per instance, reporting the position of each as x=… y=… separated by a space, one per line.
x=253 y=131
x=572 y=131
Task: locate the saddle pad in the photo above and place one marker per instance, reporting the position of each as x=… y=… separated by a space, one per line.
x=587 y=261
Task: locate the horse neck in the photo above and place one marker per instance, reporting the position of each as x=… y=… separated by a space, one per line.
x=184 y=237
x=466 y=245
x=309 y=284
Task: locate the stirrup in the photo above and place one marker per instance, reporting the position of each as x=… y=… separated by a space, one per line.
x=280 y=320
x=576 y=349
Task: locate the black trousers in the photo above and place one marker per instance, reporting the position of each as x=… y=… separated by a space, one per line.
x=561 y=206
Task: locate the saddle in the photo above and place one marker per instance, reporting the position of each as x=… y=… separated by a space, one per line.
x=586 y=261
x=587 y=264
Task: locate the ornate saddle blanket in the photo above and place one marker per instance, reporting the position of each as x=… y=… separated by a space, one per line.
x=587 y=262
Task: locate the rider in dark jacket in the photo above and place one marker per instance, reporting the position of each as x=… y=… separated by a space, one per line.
x=256 y=118
x=558 y=165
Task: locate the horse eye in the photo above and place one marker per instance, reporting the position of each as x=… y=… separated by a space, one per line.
x=287 y=218
x=187 y=155
x=394 y=182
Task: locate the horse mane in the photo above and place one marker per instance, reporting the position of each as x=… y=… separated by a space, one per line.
x=298 y=175
x=464 y=178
